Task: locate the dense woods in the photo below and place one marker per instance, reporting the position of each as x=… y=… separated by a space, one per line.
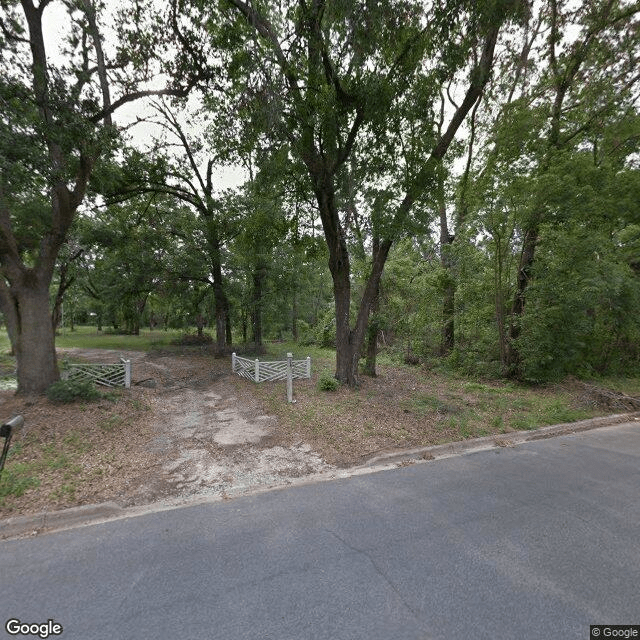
x=446 y=180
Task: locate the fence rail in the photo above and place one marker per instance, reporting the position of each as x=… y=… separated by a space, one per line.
x=108 y=375
x=269 y=370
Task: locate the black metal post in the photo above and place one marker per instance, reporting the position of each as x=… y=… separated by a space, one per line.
x=6 y=431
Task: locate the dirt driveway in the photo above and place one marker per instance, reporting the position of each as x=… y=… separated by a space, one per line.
x=187 y=427
x=210 y=431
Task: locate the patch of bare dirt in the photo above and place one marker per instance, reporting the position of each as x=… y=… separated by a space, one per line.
x=182 y=429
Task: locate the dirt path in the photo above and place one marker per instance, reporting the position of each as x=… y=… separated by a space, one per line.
x=211 y=435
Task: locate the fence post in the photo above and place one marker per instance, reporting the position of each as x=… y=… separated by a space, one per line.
x=127 y=374
x=233 y=362
x=257 y=372
x=289 y=377
x=308 y=366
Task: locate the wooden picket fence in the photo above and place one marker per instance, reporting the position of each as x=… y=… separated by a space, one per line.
x=108 y=375
x=269 y=370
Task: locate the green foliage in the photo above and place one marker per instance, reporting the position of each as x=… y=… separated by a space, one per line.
x=16 y=479
x=326 y=382
x=65 y=391
x=326 y=330
x=190 y=339
x=583 y=305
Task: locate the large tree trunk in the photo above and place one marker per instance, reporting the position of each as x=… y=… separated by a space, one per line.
x=372 y=341
x=228 y=332
x=347 y=344
x=525 y=267
x=26 y=311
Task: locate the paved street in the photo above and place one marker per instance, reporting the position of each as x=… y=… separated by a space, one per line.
x=537 y=541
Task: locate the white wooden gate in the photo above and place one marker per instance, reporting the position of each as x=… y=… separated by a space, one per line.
x=108 y=375
x=269 y=370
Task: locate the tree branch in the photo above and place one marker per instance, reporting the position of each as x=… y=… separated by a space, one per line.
x=265 y=29
x=181 y=92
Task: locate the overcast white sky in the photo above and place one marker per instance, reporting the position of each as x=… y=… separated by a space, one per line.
x=55 y=25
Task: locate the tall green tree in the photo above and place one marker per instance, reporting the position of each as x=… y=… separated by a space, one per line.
x=57 y=126
x=589 y=80
x=330 y=77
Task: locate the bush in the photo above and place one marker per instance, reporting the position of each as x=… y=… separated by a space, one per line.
x=325 y=330
x=190 y=340
x=326 y=382
x=72 y=390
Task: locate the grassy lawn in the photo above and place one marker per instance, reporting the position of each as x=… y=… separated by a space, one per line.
x=89 y=338
x=73 y=453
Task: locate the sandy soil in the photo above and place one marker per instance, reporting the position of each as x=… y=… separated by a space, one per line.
x=183 y=429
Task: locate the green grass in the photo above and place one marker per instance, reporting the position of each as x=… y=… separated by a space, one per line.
x=319 y=357
x=554 y=409
x=422 y=404
x=630 y=385
x=18 y=477
x=110 y=423
x=89 y=338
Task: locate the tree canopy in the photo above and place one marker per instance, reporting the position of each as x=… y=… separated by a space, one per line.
x=448 y=179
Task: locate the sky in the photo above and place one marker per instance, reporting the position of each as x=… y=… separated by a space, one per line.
x=55 y=24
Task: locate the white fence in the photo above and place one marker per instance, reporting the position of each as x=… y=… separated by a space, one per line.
x=266 y=371
x=108 y=375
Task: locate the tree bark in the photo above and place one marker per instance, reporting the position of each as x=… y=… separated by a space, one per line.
x=448 y=298
x=373 y=326
x=228 y=334
x=259 y=275
x=221 y=301
x=26 y=310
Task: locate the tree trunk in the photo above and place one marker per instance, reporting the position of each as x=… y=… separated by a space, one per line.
x=448 y=297
x=221 y=322
x=517 y=308
x=26 y=310
x=200 y=324
x=294 y=316
x=372 y=342
x=228 y=334
x=221 y=302
x=373 y=326
x=259 y=275
x=244 y=326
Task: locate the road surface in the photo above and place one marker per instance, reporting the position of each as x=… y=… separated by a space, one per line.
x=537 y=541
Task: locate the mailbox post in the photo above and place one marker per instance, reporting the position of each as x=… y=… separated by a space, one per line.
x=6 y=431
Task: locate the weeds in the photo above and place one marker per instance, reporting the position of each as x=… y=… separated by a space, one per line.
x=72 y=390
x=326 y=382
x=111 y=423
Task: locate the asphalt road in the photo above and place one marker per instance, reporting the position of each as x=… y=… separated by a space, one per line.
x=536 y=541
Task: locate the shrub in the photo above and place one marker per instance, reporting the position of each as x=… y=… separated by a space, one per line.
x=325 y=330
x=326 y=382
x=190 y=340
x=72 y=390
